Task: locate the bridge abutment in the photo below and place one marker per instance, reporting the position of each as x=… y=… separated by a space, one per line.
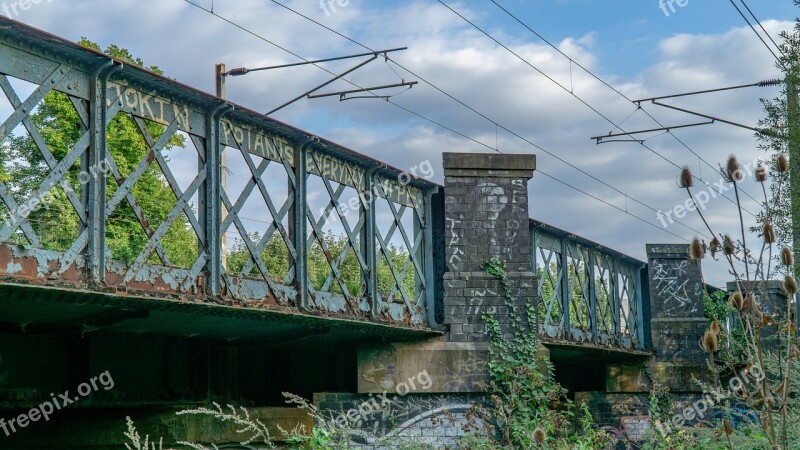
x=678 y=323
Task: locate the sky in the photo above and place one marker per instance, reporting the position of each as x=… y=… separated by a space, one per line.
x=637 y=47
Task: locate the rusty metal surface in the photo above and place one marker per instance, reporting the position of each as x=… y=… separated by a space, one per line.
x=38 y=274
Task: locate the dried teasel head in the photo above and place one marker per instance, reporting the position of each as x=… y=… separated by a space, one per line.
x=710 y=343
x=750 y=303
x=782 y=164
x=790 y=285
x=761 y=173
x=697 y=250
x=769 y=234
x=737 y=301
x=733 y=171
x=787 y=258
x=715 y=247
x=727 y=427
x=715 y=328
x=687 y=179
x=727 y=245
x=539 y=436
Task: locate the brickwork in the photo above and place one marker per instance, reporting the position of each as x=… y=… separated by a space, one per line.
x=676 y=303
x=486 y=216
x=608 y=409
x=469 y=295
x=772 y=300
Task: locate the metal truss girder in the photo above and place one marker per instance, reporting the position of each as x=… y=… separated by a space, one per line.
x=165 y=169
x=25 y=108
x=276 y=219
x=162 y=229
x=85 y=78
x=51 y=161
x=591 y=281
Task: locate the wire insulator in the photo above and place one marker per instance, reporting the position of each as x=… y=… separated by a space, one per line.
x=238 y=71
x=772 y=82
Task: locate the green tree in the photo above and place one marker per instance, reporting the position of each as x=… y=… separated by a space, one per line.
x=784 y=140
x=56 y=222
x=277 y=261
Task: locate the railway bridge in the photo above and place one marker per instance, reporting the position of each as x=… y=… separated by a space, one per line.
x=301 y=266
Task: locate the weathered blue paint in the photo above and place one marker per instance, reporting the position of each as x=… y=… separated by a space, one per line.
x=100 y=88
x=596 y=293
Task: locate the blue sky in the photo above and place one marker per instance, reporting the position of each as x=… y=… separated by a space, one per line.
x=628 y=31
x=631 y=44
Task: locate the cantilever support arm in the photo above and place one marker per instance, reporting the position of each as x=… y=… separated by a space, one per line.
x=343 y=94
x=601 y=138
x=717 y=119
x=337 y=77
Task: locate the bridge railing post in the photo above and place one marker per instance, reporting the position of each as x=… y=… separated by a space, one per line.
x=428 y=258
x=589 y=266
x=368 y=244
x=211 y=201
x=96 y=156
x=643 y=299
x=299 y=219
x=564 y=287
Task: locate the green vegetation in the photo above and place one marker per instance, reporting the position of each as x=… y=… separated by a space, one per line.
x=529 y=408
x=277 y=261
x=56 y=222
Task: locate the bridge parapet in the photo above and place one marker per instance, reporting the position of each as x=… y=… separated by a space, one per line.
x=219 y=203
x=588 y=293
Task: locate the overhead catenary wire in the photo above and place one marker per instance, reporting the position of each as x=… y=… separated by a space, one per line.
x=584 y=102
x=621 y=94
x=497 y=124
x=739 y=10
x=450 y=129
x=762 y=27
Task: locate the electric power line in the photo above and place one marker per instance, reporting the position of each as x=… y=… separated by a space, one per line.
x=497 y=124
x=754 y=30
x=585 y=103
x=762 y=27
x=638 y=106
x=254 y=34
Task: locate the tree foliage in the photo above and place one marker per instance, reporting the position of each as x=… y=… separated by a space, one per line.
x=57 y=222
